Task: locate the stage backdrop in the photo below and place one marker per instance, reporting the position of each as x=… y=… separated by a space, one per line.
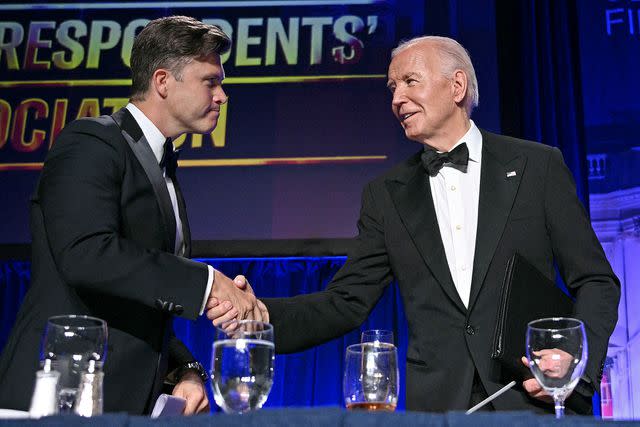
x=307 y=124
x=609 y=61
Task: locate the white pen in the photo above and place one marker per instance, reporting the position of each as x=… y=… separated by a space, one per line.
x=490 y=398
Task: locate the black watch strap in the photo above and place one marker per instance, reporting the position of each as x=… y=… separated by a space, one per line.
x=193 y=366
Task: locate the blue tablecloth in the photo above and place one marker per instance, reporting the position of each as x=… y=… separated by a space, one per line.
x=329 y=416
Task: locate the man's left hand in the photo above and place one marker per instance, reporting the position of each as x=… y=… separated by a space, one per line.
x=192 y=389
x=533 y=387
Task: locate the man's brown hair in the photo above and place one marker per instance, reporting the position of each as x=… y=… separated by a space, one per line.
x=171 y=43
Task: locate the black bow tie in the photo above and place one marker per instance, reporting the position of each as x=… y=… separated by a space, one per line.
x=434 y=161
x=169 y=160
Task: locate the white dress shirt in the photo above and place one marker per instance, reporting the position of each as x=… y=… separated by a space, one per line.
x=455 y=199
x=156 y=140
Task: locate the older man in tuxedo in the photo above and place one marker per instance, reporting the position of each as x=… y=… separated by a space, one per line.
x=110 y=231
x=444 y=224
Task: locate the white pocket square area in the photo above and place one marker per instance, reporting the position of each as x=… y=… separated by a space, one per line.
x=511 y=174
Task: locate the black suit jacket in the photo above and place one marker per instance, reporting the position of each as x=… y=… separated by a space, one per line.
x=103 y=233
x=535 y=212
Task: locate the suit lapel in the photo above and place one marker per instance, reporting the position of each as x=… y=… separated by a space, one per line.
x=499 y=181
x=143 y=152
x=411 y=194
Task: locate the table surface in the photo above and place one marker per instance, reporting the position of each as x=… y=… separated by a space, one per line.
x=327 y=416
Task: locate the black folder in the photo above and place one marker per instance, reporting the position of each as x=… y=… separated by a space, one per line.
x=526 y=295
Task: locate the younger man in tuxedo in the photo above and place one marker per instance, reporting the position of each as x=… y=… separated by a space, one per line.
x=110 y=231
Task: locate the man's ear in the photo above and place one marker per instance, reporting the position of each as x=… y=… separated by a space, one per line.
x=459 y=86
x=159 y=82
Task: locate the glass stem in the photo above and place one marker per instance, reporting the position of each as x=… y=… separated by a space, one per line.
x=559 y=406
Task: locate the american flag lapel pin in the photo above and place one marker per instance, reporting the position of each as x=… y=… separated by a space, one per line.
x=511 y=174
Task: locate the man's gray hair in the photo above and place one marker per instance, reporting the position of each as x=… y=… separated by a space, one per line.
x=454 y=57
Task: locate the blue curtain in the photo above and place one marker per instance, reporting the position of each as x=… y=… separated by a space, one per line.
x=309 y=378
x=15 y=277
x=539 y=67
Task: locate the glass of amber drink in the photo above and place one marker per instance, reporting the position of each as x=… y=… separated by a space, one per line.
x=371 y=377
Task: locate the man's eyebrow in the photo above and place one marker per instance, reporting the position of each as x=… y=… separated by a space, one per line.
x=411 y=74
x=406 y=76
x=217 y=77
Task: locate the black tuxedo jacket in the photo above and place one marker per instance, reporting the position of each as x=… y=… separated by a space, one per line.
x=527 y=204
x=103 y=233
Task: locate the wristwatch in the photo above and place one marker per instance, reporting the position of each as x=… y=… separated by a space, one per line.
x=193 y=366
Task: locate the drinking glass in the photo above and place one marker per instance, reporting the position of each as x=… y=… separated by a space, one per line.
x=371 y=376
x=557 y=353
x=377 y=335
x=242 y=366
x=73 y=343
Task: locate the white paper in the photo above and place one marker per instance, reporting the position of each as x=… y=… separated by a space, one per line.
x=168 y=405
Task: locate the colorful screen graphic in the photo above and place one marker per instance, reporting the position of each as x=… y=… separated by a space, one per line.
x=307 y=124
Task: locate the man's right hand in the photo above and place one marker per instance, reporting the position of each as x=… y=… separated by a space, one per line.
x=221 y=310
x=241 y=303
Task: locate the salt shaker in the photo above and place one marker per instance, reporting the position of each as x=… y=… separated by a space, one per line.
x=44 y=401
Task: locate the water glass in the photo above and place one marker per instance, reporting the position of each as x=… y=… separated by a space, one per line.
x=377 y=335
x=242 y=366
x=557 y=353
x=371 y=377
x=73 y=343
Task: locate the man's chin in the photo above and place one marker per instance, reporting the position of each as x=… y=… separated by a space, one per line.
x=411 y=135
x=208 y=128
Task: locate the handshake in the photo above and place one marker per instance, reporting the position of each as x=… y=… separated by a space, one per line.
x=233 y=300
x=228 y=300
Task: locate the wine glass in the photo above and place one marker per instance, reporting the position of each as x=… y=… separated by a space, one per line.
x=242 y=365
x=371 y=376
x=377 y=335
x=557 y=353
x=73 y=343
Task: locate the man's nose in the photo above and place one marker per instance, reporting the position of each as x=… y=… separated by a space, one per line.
x=398 y=98
x=220 y=97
